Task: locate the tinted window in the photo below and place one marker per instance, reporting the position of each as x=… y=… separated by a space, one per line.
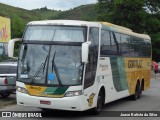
x=113 y=43
x=117 y=40
x=93 y=56
x=125 y=47
x=146 y=48
x=109 y=43
x=105 y=43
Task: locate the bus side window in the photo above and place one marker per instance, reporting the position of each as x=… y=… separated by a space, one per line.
x=115 y=43
x=135 y=46
x=105 y=43
x=93 y=56
x=146 y=48
x=125 y=48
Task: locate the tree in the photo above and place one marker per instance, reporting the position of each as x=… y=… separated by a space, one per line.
x=17 y=27
x=152 y=24
x=104 y=8
x=127 y=13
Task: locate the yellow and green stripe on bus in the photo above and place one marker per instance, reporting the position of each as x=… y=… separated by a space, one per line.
x=127 y=71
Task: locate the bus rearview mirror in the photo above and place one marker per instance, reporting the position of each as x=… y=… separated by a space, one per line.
x=85 y=51
x=11 y=44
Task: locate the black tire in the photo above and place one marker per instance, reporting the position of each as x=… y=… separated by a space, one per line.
x=138 y=93
x=45 y=109
x=5 y=95
x=100 y=103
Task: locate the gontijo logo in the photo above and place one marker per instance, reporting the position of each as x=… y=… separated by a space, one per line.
x=135 y=63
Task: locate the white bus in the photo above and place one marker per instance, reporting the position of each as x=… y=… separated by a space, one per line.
x=80 y=65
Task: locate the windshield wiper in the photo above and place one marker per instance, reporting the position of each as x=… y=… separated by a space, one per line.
x=55 y=69
x=42 y=66
x=45 y=63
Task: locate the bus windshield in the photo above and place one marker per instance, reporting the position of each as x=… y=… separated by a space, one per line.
x=55 y=33
x=50 y=64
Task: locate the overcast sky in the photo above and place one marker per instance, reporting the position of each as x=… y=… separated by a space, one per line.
x=51 y=4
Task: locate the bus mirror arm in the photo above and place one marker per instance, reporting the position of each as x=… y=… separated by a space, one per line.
x=85 y=51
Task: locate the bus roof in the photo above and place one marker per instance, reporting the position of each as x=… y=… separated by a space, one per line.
x=65 y=22
x=109 y=26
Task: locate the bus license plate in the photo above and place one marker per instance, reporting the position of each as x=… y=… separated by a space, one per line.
x=45 y=102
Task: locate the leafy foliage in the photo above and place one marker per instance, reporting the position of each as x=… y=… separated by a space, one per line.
x=17 y=25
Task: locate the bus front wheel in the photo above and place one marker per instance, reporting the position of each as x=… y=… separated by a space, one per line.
x=100 y=103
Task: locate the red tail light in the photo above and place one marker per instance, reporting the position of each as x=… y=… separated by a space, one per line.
x=5 y=81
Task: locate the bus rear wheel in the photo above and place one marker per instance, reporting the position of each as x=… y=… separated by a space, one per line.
x=138 y=92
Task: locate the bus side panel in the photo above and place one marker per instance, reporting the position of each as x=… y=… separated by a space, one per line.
x=104 y=77
x=147 y=78
x=119 y=73
x=112 y=73
x=119 y=76
x=138 y=69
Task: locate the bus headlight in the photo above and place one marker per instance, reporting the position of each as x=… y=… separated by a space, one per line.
x=73 y=93
x=22 y=90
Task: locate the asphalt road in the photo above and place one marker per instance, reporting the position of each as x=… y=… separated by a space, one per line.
x=7 y=101
x=150 y=101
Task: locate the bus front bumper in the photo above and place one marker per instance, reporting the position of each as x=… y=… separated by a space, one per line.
x=75 y=103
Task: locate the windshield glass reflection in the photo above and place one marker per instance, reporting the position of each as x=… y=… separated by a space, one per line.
x=50 y=64
x=55 y=33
